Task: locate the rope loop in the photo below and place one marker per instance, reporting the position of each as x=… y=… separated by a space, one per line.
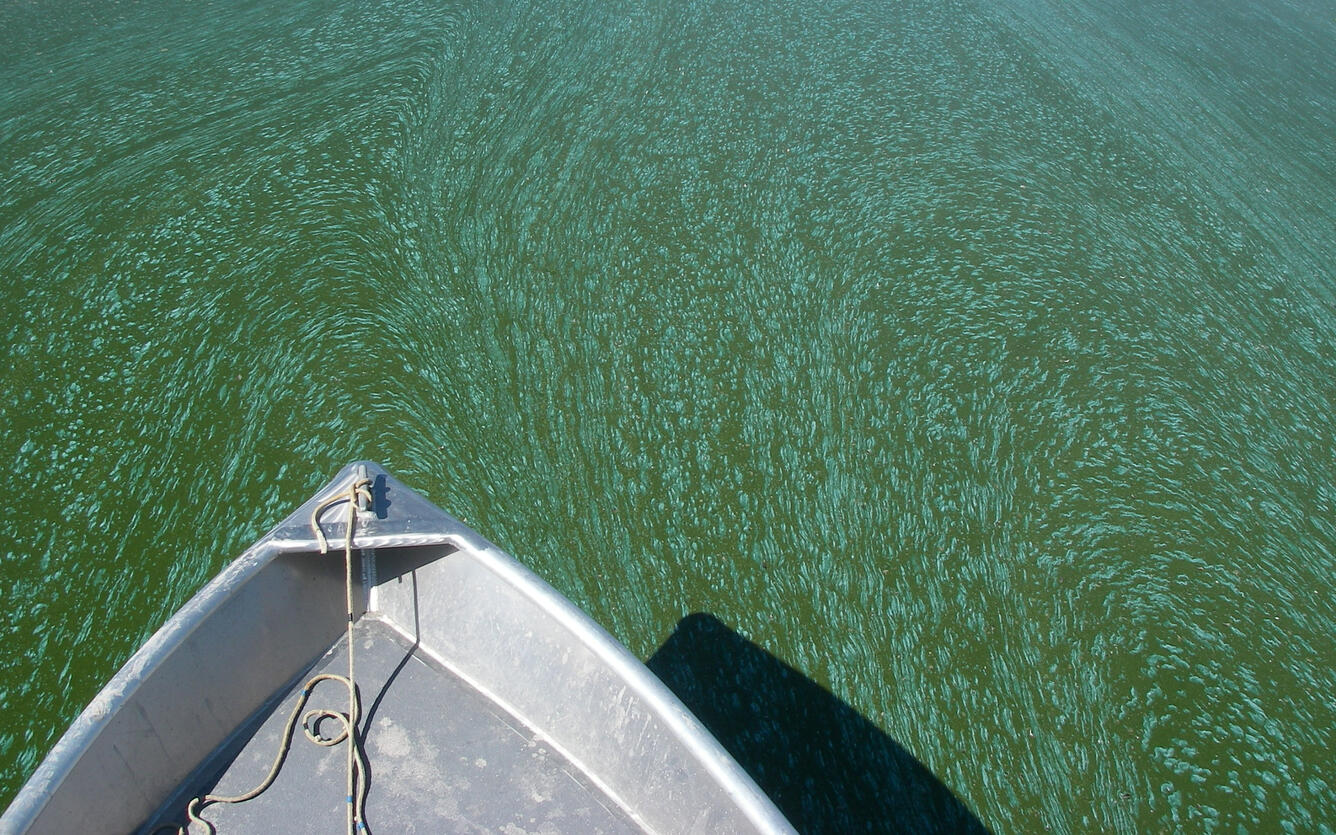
x=357 y=495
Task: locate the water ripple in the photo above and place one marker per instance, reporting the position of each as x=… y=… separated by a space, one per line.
x=952 y=369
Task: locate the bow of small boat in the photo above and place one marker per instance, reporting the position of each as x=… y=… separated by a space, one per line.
x=485 y=699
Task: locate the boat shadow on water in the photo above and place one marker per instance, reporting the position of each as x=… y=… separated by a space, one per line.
x=826 y=767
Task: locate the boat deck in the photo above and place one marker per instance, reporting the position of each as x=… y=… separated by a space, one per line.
x=441 y=758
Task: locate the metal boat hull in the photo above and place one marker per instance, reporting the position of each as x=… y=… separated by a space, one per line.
x=176 y=716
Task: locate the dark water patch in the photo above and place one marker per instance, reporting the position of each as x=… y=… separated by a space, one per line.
x=827 y=768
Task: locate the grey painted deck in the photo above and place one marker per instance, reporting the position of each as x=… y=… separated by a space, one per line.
x=441 y=759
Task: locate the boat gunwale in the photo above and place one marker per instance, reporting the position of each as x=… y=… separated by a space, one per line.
x=662 y=702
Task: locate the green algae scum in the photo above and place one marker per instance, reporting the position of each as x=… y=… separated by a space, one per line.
x=941 y=396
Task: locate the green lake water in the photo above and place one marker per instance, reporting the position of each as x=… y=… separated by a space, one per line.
x=976 y=359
